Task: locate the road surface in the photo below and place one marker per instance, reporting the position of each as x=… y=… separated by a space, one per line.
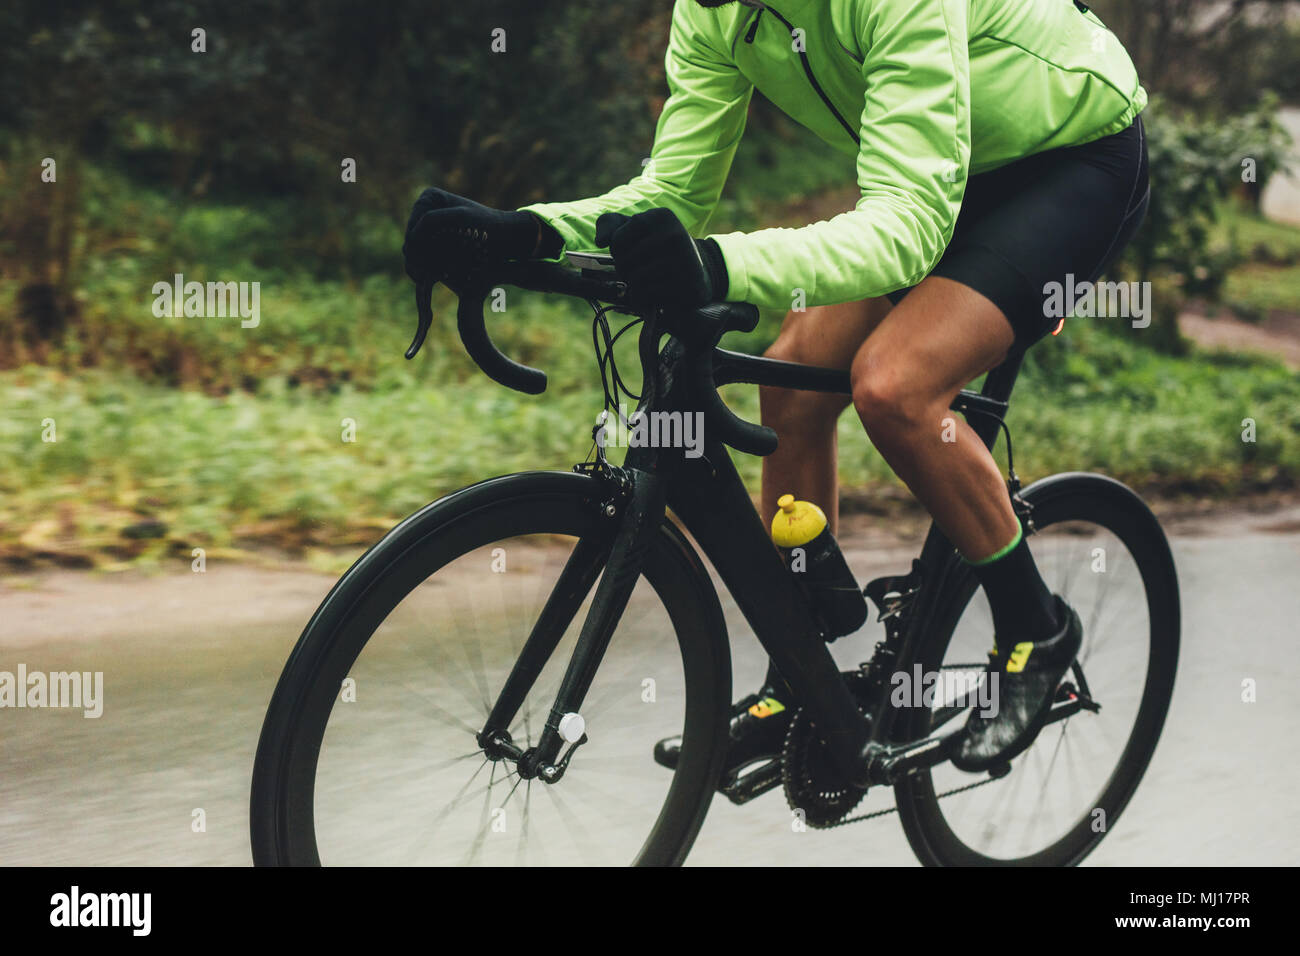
x=190 y=661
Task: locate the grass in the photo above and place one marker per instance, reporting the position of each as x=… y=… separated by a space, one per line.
x=1261 y=287
x=1269 y=276
x=177 y=433
x=144 y=472
x=1276 y=241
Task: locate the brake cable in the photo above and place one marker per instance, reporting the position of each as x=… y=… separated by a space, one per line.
x=611 y=380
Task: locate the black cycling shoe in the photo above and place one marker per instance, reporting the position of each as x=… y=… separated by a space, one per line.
x=758 y=726
x=1027 y=680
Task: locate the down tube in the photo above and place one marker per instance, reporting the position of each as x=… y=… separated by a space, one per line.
x=708 y=496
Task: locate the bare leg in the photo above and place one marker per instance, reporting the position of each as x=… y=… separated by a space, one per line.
x=805 y=461
x=905 y=375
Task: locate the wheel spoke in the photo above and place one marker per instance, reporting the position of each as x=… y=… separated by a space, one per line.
x=397 y=774
x=1060 y=779
x=567 y=596
x=582 y=839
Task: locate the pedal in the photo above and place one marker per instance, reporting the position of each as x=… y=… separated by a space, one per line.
x=743 y=788
x=1068 y=694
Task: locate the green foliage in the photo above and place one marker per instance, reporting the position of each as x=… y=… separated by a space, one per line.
x=223 y=470
x=225 y=165
x=1260 y=239
x=1195 y=163
x=1209 y=55
x=502 y=101
x=1268 y=275
x=1252 y=291
x=283 y=92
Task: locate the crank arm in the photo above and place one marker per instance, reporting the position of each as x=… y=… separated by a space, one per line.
x=741 y=788
x=892 y=762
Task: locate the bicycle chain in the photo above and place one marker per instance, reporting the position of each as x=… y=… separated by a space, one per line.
x=947 y=793
x=812 y=794
x=894 y=809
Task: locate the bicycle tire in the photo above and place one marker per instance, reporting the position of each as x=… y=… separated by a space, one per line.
x=1073 y=497
x=282 y=825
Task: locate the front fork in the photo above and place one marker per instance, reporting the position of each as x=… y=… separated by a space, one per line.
x=636 y=499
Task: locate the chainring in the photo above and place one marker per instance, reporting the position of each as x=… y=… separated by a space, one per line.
x=813 y=784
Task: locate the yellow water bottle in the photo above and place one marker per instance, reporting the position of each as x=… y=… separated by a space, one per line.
x=801 y=532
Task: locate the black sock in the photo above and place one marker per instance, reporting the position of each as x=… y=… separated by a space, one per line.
x=1023 y=608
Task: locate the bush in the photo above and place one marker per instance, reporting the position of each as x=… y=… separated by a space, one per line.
x=414 y=93
x=1195 y=162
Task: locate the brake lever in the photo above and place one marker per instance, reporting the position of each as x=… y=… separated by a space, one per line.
x=424 y=309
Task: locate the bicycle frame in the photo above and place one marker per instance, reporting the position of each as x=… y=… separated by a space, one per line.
x=711 y=503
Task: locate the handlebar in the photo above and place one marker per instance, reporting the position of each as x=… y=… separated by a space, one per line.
x=698 y=330
x=710 y=323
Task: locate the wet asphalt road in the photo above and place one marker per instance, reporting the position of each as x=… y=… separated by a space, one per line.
x=190 y=662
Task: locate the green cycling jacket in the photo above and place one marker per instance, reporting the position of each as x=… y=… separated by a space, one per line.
x=922 y=92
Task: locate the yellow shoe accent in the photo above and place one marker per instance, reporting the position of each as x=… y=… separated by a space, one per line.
x=1019 y=657
x=767 y=707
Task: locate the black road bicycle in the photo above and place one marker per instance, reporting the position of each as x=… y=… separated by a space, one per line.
x=486 y=684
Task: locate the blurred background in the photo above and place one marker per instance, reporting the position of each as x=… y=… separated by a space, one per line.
x=226 y=165
x=128 y=440
x=175 y=433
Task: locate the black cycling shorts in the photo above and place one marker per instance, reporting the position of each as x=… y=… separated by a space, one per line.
x=1065 y=212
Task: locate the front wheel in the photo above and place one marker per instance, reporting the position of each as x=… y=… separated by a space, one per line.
x=370 y=753
x=1101 y=549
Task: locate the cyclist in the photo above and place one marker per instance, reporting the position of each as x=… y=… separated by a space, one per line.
x=998 y=149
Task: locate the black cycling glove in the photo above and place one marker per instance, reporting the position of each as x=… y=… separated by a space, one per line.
x=658 y=259
x=447 y=235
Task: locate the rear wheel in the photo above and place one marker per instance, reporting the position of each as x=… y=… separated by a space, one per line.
x=369 y=752
x=1101 y=549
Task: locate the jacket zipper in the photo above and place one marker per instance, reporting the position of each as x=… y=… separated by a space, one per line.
x=807 y=69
